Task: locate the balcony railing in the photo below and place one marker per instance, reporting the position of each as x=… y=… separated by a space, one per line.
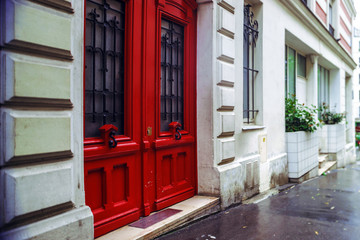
x=331 y=30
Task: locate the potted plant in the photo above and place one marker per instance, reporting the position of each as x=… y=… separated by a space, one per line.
x=301 y=137
x=332 y=136
x=327 y=117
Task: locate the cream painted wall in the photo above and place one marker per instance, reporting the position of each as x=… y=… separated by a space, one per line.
x=42 y=172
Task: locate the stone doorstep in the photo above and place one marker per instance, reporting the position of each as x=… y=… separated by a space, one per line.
x=322 y=159
x=328 y=165
x=192 y=209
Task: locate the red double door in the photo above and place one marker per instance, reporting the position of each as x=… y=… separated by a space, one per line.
x=139 y=108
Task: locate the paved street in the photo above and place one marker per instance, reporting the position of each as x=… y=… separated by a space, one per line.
x=327 y=207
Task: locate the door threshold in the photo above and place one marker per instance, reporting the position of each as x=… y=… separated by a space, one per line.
x=189 y=210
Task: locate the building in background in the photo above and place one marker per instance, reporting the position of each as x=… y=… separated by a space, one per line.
x=320 y=65
x=112 y=110
x=356 y=79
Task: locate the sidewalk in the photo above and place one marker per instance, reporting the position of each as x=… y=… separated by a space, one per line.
x=327 y=207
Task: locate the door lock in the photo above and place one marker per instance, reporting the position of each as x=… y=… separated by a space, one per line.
x=149 y=131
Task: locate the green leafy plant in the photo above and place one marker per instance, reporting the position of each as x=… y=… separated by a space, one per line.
x=299 y=117
x=328 y=117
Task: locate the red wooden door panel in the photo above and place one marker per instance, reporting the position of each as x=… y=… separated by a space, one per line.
x=174 y=175
x=175 y=159
x=139 y=77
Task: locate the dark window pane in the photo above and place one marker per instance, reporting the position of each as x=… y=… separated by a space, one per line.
x=250 y=36
x=172 y=74
x=292 y=71
x=330 y=14
x=246 y=90
x=301 y=66
x=104 y=69
x=323 y=86
x=286 y=72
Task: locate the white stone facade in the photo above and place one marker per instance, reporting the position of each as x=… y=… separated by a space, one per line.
x=242 y=161
x=246 y=152
x=41 y=176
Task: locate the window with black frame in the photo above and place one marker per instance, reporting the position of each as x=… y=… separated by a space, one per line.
x=172 y=74
x=250 y=36
x=104 y=65
x=323 y=86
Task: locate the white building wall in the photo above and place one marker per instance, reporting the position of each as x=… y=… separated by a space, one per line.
x=356 y=55
x=208 y=176
x=243 y=158
x=250 y=158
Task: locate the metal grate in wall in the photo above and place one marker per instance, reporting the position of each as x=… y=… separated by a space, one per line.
x=104 y=69
x=172 y=74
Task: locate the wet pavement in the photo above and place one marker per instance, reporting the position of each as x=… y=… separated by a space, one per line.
x=327 y=207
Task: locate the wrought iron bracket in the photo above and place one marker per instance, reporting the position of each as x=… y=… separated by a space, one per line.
x=112 y=141
x=177 y=134
x=108 y=132
x=175 y=130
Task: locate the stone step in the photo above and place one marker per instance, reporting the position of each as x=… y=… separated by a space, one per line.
x=323 y=158
x=191 y=210
x=328 y=165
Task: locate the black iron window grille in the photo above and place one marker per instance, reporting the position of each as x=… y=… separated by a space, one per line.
x=104 y=69
x=250 y=36
x=172 y=74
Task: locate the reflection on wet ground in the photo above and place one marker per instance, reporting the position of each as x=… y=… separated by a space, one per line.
x=327 y=207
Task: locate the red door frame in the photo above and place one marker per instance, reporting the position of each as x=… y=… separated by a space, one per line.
x=136 y=149
x=183 y=13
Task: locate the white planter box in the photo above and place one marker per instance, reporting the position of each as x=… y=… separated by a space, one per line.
x=302 y=149
x=332 y=138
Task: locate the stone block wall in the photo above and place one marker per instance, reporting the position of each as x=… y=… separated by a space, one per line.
x=41 y=164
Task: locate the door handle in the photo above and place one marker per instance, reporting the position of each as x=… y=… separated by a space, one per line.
x=177 y=134
x=108 y=134
x=175 y=130
x=112 y=141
